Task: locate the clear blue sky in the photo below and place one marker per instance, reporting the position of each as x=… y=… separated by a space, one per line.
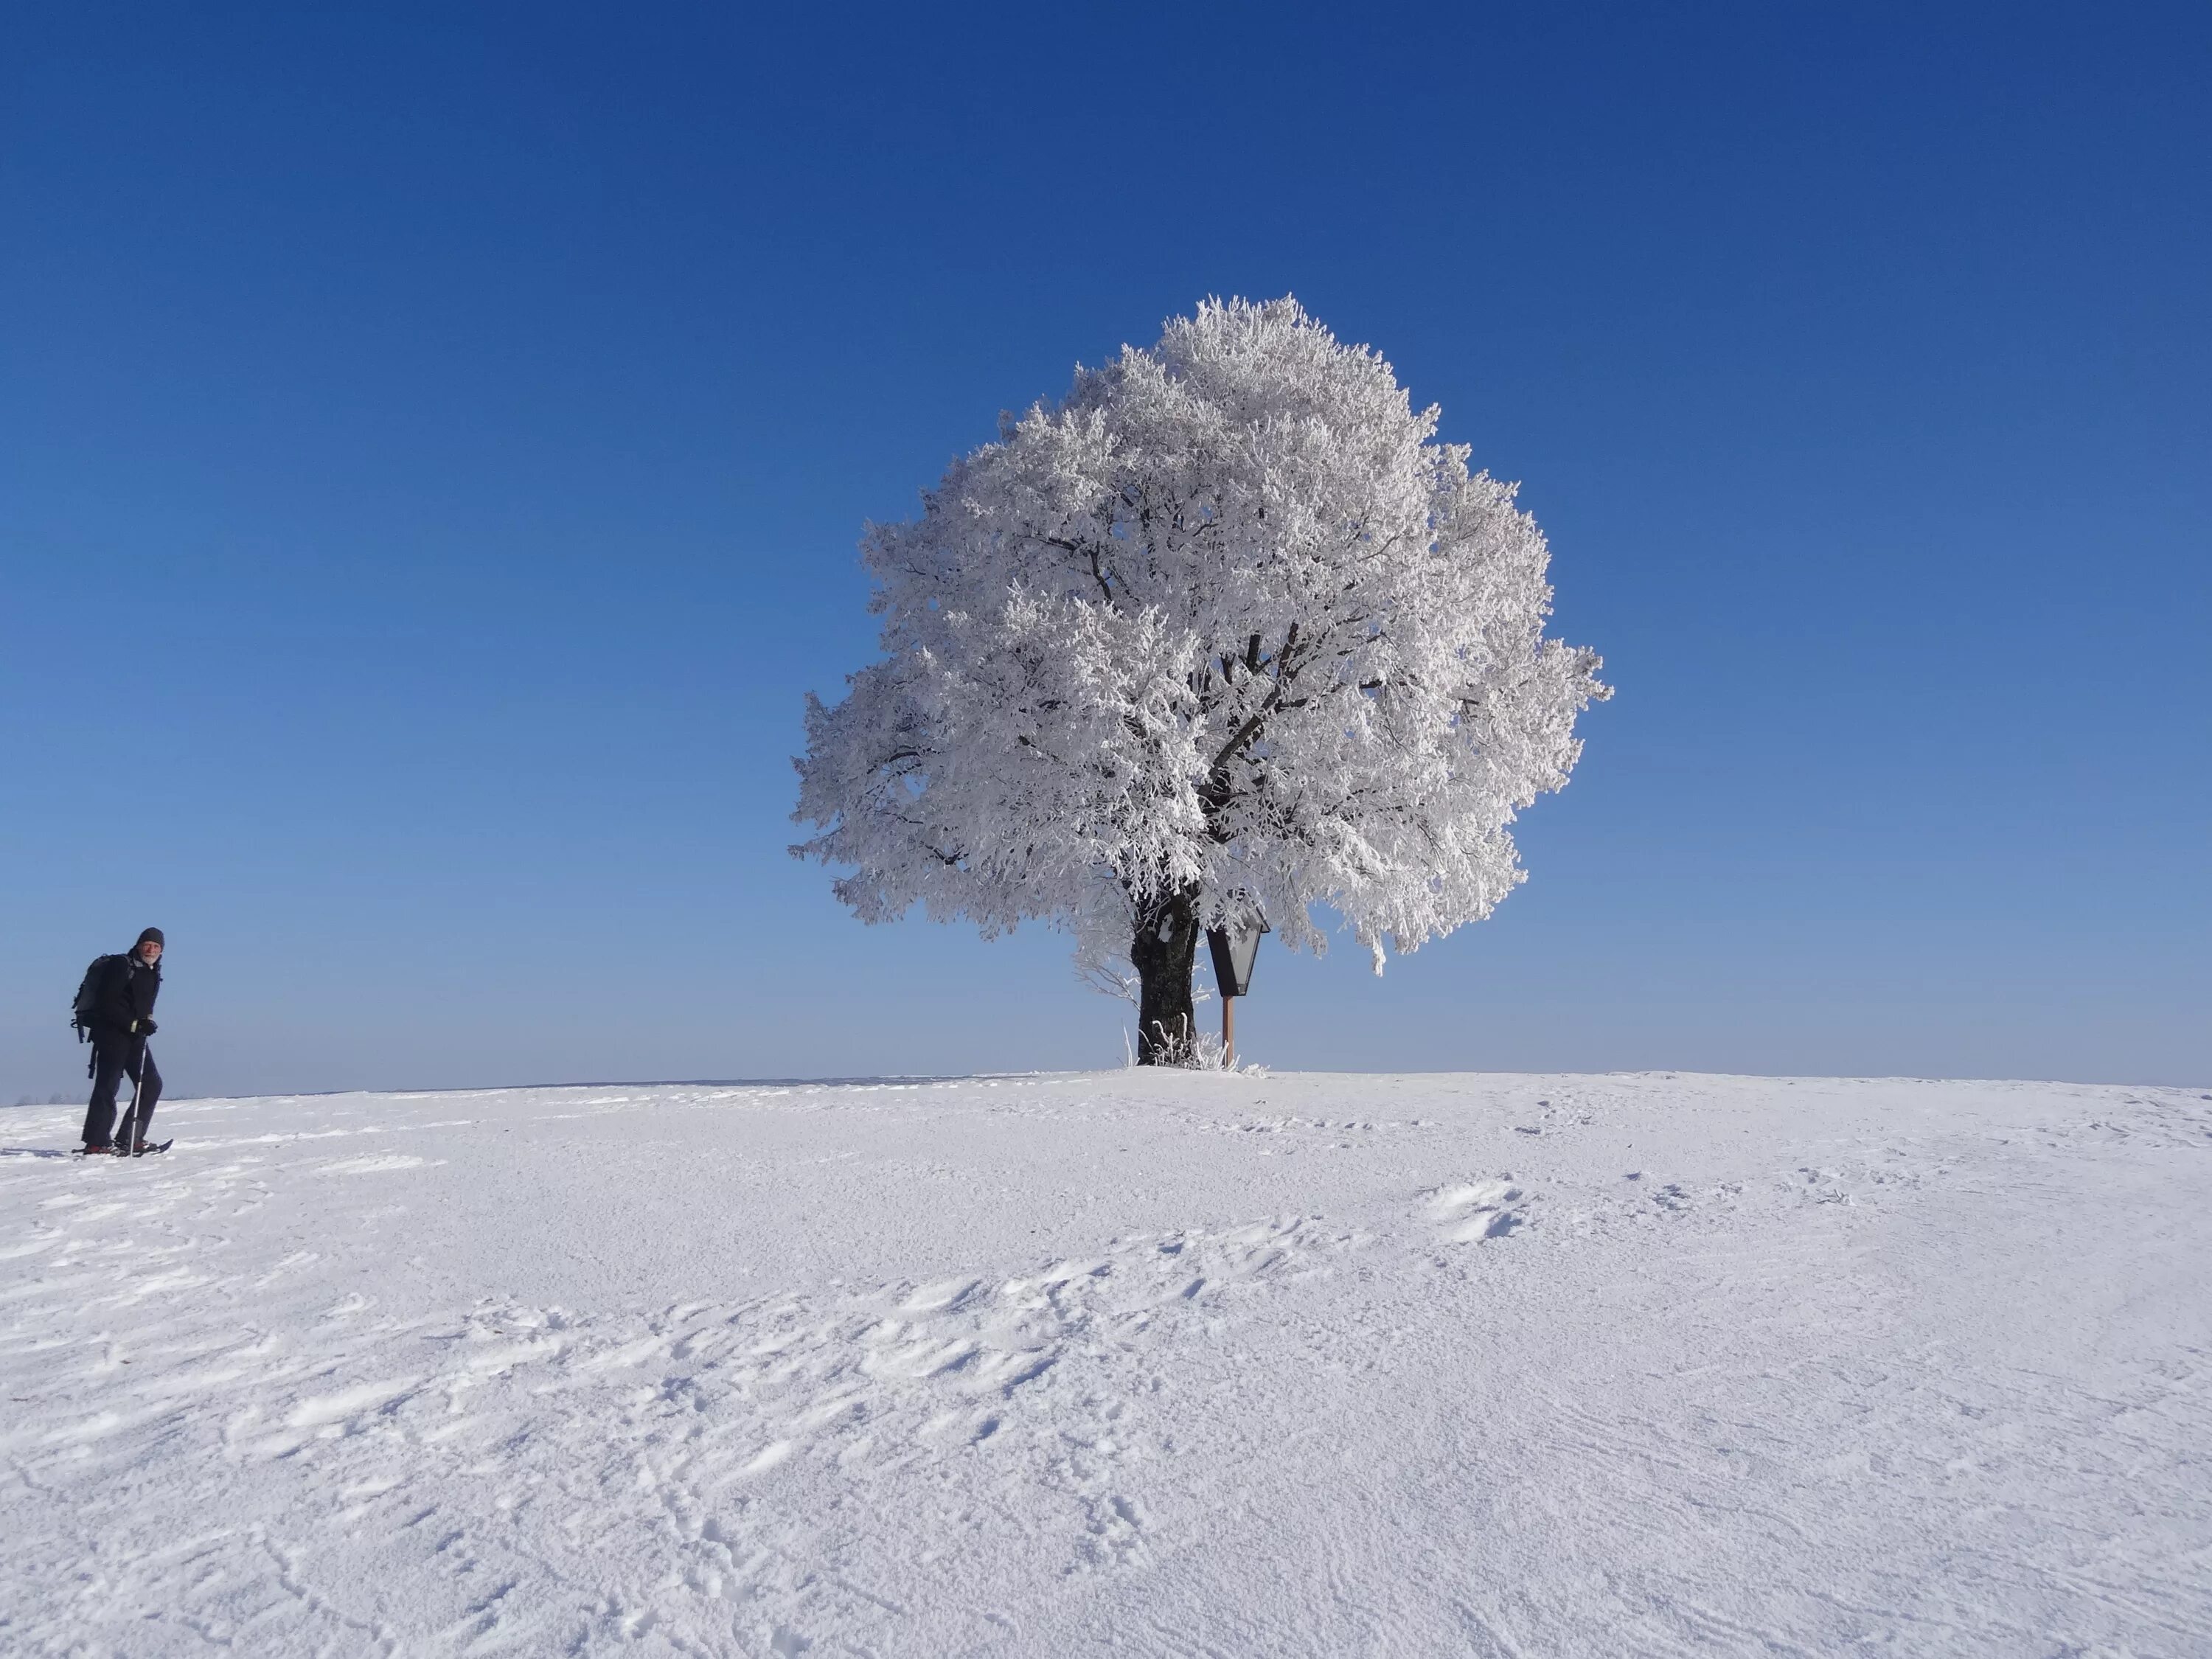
x=433 y=442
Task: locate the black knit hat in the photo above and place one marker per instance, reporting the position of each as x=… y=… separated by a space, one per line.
x=152 y=936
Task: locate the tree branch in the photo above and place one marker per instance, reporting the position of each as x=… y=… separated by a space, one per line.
x=1284 y=671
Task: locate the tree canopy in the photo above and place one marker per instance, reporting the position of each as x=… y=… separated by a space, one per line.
x=1227 y=625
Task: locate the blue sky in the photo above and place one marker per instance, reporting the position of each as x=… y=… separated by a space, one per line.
x=432 y=443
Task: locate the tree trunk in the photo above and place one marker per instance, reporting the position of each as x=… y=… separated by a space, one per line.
x=1162 y=952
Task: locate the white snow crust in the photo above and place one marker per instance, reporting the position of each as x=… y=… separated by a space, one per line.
x=1158 y=1363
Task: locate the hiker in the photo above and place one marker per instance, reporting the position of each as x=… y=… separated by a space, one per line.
x=119 y=1013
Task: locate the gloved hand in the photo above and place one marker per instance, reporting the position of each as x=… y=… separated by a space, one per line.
x=142 y=1028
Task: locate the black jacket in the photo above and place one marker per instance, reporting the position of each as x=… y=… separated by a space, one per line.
x=126 y=994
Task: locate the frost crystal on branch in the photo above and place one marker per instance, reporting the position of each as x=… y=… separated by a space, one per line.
x=1225 y=625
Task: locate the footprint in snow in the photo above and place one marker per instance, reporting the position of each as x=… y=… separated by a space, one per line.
x=946 y=1297
x=374 y=1165
x=1469 y=1212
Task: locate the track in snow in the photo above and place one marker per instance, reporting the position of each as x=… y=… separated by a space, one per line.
x=1182 y=1364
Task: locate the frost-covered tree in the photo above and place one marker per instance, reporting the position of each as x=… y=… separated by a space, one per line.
x=1227 y=627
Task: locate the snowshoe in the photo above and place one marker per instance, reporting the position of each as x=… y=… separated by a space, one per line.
x=144 y=1147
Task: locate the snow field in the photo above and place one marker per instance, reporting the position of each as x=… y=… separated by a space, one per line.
x=1159 y=1364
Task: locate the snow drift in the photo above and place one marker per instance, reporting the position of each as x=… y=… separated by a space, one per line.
x=1169 y=1362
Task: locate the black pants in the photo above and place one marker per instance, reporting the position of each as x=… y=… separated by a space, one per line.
x=114 y=1059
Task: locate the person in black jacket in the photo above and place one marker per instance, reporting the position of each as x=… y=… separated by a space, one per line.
x=121 y=1019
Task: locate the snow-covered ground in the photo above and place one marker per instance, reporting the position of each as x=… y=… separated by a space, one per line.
x=1152 y=1364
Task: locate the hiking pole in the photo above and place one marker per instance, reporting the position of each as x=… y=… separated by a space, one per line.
x=137 y=1088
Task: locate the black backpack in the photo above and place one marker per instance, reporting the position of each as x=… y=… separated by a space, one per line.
x=87 y=995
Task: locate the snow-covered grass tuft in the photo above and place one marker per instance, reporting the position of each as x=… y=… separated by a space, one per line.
x=1207 y=1053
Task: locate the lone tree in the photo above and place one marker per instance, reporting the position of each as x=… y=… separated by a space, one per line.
x=1225 y=628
